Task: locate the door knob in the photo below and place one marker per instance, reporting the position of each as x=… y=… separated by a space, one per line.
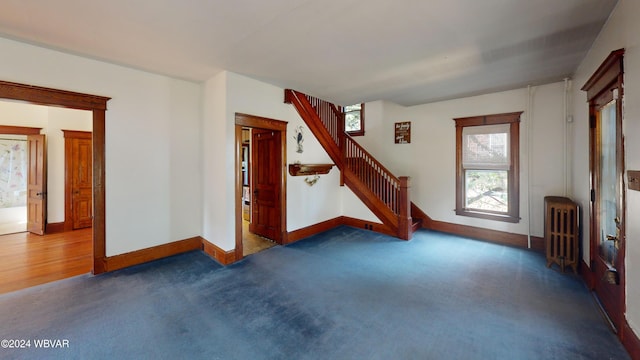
x=612 y=237
x=615 y=238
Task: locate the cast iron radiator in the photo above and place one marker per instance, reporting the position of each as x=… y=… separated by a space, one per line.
x=561 y=232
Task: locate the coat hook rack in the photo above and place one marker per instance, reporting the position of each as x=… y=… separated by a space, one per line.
x=312 y=181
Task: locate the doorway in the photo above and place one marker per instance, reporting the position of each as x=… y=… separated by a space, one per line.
x=98 y=106
x=606 y=148
x=47 y=251
x=13 y=182
x=260 y=183
x=254 y=238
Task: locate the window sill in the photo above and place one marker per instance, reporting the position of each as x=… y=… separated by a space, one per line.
x=488 y=216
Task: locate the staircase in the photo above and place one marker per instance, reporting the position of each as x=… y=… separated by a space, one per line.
x=384 y=194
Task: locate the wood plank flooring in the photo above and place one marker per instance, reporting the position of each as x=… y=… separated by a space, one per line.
x=28 y=260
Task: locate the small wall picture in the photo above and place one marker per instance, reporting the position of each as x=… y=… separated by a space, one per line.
x=403 y=132
x=299 y=138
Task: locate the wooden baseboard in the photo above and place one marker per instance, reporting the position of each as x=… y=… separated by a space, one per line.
x=630 y=341
x=305 y=232
x=228 y=257
x=495 y=236
x=367 y=225
x=221 y=256
x=53 y=228
x=153 y=253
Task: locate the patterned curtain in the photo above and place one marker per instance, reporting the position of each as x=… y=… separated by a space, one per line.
x=13 y=173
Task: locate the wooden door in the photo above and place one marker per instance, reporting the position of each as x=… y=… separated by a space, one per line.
x=37 y=185
x=78 y=179
x=81 y=184
x=607 y=242
x=266 y=164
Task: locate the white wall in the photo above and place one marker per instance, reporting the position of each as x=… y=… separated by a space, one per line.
x=218 y=187
x=52 y=120
x=150 y=196
x=621 y=31
x=224 y=96
x=430 y=158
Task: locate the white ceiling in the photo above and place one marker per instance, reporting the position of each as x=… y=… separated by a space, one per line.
x=345 y=51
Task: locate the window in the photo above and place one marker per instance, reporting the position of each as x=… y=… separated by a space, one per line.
x=354 y=119
x=487 y=181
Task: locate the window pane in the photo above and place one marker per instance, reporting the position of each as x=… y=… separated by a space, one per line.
x=352 y=121
x=355 y=107
x=487 y=190
x=486 y=151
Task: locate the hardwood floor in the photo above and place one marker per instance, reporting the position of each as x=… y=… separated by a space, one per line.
x=28 y=260
x=252 y=243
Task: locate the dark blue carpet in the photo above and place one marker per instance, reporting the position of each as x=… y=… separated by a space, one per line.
x=343 y=294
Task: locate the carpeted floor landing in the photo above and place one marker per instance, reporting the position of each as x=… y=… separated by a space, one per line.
x=343 y=294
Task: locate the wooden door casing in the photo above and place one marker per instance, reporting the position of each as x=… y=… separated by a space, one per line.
x=78 y=180
x=36 y=184
x=258 y=122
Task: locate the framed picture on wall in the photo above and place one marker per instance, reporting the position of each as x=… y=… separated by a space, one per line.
x=402 y=132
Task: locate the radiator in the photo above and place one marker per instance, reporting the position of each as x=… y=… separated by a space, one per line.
x=561 y=232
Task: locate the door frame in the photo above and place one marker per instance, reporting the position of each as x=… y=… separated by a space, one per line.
x=609 y=74
x=252 y=121
x=98 y=106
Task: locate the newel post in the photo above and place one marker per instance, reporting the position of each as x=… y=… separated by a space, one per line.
x=404 y=219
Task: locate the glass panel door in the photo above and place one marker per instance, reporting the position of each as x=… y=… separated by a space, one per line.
x=608 y=187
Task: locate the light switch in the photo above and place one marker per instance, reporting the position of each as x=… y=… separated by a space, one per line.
x=634 y=179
